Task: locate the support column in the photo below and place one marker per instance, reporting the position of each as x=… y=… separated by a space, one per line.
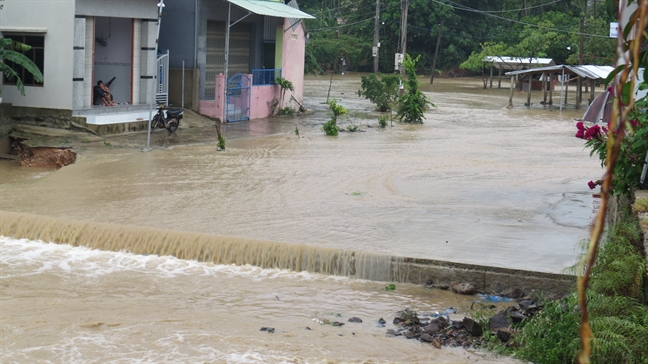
x=137 y=61
x=551 y=86
x=579 y=91
x=78 y=62
x=148 y=59
x=592 y=86
x=499 y=80
x=491 y=76
x=510 y=104
x=88 y=75
x=566 y=92
x=529 y=93
x=544 y=88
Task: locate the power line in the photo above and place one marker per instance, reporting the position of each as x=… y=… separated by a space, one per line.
x=465 y=8
x=521 y=9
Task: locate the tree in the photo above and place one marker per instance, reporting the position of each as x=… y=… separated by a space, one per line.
x=413 y=103
x=476 y=60
x=13 y=51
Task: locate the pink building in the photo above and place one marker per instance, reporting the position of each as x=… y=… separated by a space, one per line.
x=264 y=40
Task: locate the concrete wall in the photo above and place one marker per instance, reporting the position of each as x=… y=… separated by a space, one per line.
x=293 y=56
x=178 y=32
x=114 y=59
x=139 y=9
x=261 y=99
x=55 y=20
x=215 y=108
x=191 y=99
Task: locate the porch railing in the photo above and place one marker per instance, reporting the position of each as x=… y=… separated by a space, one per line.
x=265 y=76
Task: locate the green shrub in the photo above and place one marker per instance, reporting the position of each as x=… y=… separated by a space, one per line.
x=413 y=103
x=382 y=92
x=330 y=127
x=382 y=121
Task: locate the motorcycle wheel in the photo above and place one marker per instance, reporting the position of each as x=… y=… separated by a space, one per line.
x=173 y=125
x=155 y=122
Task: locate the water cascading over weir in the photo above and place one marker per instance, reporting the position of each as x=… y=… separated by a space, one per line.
x=266 y=254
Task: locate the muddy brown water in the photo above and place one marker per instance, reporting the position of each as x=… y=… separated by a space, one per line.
x=477 y=184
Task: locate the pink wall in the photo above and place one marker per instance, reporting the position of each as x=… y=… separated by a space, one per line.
x=261 y=99
x=294 y=45
x=294 y=51
x=215 y=108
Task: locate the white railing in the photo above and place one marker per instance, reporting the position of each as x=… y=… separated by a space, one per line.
x=162 y=89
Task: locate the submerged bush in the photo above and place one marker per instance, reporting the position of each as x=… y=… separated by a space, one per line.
x=413 y=103
x=330 y=127
x=383 y=92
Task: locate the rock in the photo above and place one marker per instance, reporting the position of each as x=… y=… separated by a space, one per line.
x=268 y=329
x=517 y=316
x=526 y=304
x=392 y=332
x=426 y=338
x=436 y=343
x=504 y=334
x=431 y=328
x=381 y=322
x=410 y=334
x=464 y=288
x=472 y=327
x=500 y=320
x=355 y=319
x=398 y=320
x=513 y=293
x=457 y=324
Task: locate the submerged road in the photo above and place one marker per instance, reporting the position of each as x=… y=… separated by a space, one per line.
x=477 y=183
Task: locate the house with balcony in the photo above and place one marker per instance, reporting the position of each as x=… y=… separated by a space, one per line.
x=232 y=52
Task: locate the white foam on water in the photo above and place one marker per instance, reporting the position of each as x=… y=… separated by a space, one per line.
x=39 y=257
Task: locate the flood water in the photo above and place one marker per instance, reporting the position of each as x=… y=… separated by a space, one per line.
x=477 y=183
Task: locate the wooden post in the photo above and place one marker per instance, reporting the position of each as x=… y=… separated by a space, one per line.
x=510 y=104
x=499 y=80
x=491 y=76
x=529 y=93
x=579 y=91
x=592 y=86
x=551 y=89
x=566 y=92
x=544 y=88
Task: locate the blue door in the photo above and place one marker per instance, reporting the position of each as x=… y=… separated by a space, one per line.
x=238 y=98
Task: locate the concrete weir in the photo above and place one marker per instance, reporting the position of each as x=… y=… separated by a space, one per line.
x=266 y=254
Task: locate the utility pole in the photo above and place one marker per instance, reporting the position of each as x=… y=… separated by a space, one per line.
x=376 y=36
x=404 y=7
x=580 y=42
x=436 y=51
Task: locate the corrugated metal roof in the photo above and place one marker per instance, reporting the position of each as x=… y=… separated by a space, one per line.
x=585 y=71
x=271 y=8
x=513 y=63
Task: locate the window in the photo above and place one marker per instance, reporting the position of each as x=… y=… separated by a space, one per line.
x=36 y=54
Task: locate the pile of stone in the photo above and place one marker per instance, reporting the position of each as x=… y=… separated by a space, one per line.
x=501 y=324
x=438 y=331
x=442 y=331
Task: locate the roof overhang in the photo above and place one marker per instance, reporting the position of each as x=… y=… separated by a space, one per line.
x=586 y=71
x=271 y=8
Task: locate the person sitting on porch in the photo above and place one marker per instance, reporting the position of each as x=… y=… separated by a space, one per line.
x=102 y=95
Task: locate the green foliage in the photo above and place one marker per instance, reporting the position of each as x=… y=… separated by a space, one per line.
x=383 y=92
x=221 y=142
x=382 y=121
x=328 y=51
x=390 y=287
x=108 y=144
x=330 y=127
x=413 y=103
x=618 y=317
x=640 y=205
x=634 y=146
x=310 y=63
x=13 y=51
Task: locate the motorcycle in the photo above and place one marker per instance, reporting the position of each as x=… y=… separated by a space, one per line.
x=167 y=118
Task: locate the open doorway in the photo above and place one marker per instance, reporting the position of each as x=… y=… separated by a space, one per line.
x=113 y=51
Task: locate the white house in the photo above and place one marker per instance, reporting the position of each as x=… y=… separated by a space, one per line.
x=77 y=43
